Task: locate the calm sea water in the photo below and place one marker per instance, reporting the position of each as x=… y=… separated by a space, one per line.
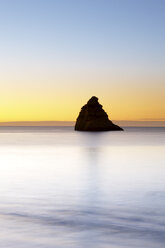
x=65 y=189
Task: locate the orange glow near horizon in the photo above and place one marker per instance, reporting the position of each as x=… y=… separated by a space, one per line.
x=61 y=100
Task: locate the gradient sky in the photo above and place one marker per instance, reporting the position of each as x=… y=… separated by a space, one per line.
x=56 y=54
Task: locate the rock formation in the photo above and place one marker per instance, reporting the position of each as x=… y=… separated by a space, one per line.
x=92 y=117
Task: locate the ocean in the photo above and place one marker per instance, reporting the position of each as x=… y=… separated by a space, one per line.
x=65 y=189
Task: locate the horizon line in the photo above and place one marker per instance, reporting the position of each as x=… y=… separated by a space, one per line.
x=158 y=123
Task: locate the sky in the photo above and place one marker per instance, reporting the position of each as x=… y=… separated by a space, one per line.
x=56 y=54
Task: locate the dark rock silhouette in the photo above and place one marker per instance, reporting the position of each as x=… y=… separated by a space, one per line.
x=92 y=117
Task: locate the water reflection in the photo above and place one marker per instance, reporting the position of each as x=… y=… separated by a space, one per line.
x=90 y=194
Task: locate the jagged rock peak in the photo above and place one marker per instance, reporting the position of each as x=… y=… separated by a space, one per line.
x=93 y=100
x=92 y=117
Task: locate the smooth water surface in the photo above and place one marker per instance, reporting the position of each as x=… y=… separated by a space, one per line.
x=61 y=188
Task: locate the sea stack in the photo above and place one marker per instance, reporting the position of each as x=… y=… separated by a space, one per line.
x=92 y=117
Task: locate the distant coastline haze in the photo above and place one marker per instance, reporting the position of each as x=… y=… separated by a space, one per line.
x=122 y=123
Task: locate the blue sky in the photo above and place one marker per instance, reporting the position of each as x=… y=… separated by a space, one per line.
x=94 y=43
x=123 y=30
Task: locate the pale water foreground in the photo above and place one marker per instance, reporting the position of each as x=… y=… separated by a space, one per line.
x=65 y=189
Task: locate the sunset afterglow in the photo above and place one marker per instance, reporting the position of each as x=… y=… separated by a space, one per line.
x=54 y=59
